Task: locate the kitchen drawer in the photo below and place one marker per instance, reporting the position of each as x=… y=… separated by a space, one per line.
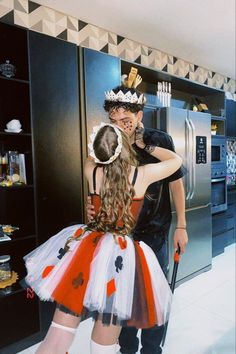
x=230 y=222
x=219 y=223
x=231 y=237
x=218 y=243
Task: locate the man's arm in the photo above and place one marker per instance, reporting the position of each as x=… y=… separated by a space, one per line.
x=178 y=196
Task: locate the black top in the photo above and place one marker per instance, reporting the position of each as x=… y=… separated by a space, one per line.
x=94 y=178
x=155 y=217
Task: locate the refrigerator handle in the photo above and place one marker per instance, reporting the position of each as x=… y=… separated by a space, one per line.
x=193 y=174
x=188 y=158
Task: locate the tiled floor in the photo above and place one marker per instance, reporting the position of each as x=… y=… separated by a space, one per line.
x=203 y=314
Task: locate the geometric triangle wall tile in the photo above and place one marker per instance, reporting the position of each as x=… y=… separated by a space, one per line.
x=59 y=16
x=49 y=28
x=61 y=20
x=49 y=14
x=137 y=52
x=112 y=48
x=144 y=50
x=129 y=55
x=129 y=44
x=164 y=68
x=138 y=60
x=21 y=18
x=103 y=34
x=112 y=38
x=103 y=45
x=120 y=39
x=38 y=27
x=82 y=24
x=170 y=68
x=144 y=60
x=62 y=34
x=4 y=11
x=170 y=59
x=191 y=67
x=93 y=31
x=72 y=23
x=136 y=46
x=104 y=37
x=21 y=5
x=33 y=6
x=59 y=30
x=151 y=64
x=122 y=54
x=158 y=54
x=9 y=4
x=72 y=36
x=84 y=42
x=36 y=16
x=104 y=49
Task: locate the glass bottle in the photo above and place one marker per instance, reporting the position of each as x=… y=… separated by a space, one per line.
x=5 y=268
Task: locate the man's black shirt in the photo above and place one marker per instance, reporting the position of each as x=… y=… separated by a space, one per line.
x=155 y=217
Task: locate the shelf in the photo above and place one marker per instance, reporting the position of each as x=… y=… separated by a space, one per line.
x=27 y=186
x=16 y=288
x=15 y=134
x=14 y=80
x=18 y=238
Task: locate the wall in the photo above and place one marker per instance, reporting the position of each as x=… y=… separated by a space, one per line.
x=53 y=23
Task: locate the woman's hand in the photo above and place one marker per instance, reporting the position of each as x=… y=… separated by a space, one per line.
x=139 y=132
x=90 y=209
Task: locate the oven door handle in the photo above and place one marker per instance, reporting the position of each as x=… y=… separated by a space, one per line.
x=218 y=179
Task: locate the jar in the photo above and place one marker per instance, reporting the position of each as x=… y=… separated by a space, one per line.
x=5 y=268
x=8 y=69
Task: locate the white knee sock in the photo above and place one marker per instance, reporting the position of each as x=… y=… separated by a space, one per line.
x=96 y=348
x=58 y=339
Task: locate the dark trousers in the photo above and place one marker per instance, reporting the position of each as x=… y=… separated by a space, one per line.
x=151 y=337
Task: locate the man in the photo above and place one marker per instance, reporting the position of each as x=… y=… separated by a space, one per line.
x=155 y=217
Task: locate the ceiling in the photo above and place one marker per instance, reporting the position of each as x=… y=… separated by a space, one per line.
x=201 y=32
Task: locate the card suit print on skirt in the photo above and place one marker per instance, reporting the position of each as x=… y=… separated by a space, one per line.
x=111 y=287
x=122 y=243
x=47 y=270
x=118 y=263
x=78 y=232
x=62 y=252
x=78 y=281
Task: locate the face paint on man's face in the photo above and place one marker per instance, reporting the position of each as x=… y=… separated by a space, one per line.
x=125 y=120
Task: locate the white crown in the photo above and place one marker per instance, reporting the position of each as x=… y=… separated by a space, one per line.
x=127 y=97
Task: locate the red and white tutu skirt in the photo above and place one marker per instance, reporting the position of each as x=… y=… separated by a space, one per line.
x=122 y=282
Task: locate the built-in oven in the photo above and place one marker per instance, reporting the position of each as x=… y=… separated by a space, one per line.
x=218 y=150
x=218 y=195
x=218 y=175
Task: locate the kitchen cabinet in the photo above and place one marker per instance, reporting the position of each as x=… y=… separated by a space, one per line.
x=44 y=96
x=230 y=107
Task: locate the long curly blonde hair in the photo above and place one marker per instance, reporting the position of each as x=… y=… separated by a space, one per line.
x=116 y=190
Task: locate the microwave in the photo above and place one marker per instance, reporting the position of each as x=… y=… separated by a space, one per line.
x=218 y=150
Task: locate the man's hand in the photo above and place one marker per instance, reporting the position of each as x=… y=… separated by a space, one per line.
x=181 y=239
x=90 y=209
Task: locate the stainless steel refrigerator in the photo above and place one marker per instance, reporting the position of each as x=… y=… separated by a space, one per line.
x=191 y=133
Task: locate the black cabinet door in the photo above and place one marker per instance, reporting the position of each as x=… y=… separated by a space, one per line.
x=231 y=118
x=101 y=73
x=56 y=133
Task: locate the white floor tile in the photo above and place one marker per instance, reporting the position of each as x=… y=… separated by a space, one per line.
x=194 y=330
x=221 y=301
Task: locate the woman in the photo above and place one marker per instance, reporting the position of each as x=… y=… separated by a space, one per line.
x=97 y=269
